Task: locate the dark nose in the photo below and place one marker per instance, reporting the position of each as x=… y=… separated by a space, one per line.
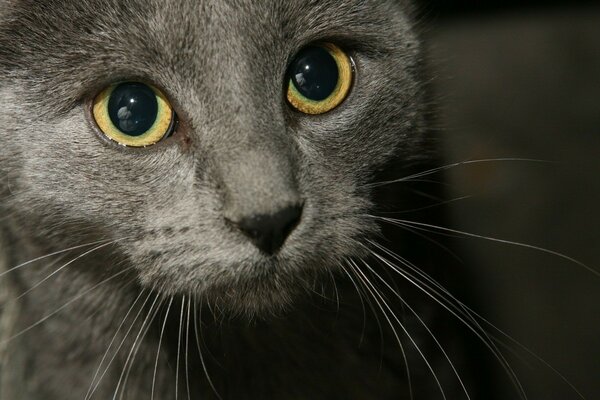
x=269 y=231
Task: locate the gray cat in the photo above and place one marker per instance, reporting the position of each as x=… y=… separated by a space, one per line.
x=198 y=202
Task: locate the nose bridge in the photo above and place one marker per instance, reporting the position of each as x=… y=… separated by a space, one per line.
x=255 y=164
x=245 y=135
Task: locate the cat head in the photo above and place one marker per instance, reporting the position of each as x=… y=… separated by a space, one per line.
x=250 y=194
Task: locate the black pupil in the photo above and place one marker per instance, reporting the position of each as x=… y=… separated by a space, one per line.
x=314 y=73
x=133 y=108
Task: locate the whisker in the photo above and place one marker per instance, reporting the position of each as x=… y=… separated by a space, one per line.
x=38 y=284
x=187 y=349
x=452 y=165
x=10 y=301
x=204 y=368
x=418 y=232
x=473 y=316
x=422 y=355
x=458 y=310
x=478 y=330
x=54 y=254
x=545 y=363
x=179 y=348
x=419 y=225
x=335 y=288
x=436 y=288
x=90 y=391
x=146 y=324
x=437 y=342
x=47 y=317
x=162 y=331
x=360 y=297
x=429 y=207
x=370 y=303
x=366 y=283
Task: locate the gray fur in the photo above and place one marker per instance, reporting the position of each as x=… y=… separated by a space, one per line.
x=239 y=150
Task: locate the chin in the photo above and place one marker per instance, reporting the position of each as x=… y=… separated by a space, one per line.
x=270 y=295
x=258 y=290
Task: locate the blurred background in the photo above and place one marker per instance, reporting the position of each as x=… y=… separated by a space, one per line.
x=522 y=80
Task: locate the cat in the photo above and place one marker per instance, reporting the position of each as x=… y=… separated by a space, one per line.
x=235 y=237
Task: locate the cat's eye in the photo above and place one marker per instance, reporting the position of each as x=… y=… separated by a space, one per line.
x=320 y=78
x=133 y=114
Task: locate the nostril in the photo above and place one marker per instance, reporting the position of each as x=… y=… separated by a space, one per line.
x=268 y=232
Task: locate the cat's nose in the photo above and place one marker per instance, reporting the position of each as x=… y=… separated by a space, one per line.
x=268 y=232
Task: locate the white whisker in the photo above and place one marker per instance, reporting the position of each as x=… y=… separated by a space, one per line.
x=204 y=368
x=450 y=166
x=67 y=304
x=418 y=225
x=187 y=349
x=53 y=254
x=114 y=338
x=370 y=303
x=335 y=288
x=180 y=334
x=360 y=298
x=56 y=271
x=439 y=204
x=162 y=331
x=455 y=310
x=362 y=278
x=478 y=330
x=437 y=342
x=146 y=324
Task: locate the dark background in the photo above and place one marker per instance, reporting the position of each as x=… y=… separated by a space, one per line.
x=522 y=80
x=449 y=8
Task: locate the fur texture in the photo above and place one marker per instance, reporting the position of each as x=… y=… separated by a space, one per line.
x=162 y=248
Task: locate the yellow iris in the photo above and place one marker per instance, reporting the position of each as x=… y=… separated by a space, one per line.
x=158 y=117
x=345 y=74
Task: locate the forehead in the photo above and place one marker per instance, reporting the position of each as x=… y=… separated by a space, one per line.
x=77 y=42
x=193 y=23
x=288 y=17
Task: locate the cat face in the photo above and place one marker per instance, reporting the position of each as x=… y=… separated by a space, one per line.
x=239 y=150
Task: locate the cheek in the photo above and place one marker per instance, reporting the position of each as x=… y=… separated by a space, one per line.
x=68 y=170
x=376 y=122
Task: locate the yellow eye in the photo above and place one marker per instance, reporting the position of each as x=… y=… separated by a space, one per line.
x=133 y=114
x=320 y=78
